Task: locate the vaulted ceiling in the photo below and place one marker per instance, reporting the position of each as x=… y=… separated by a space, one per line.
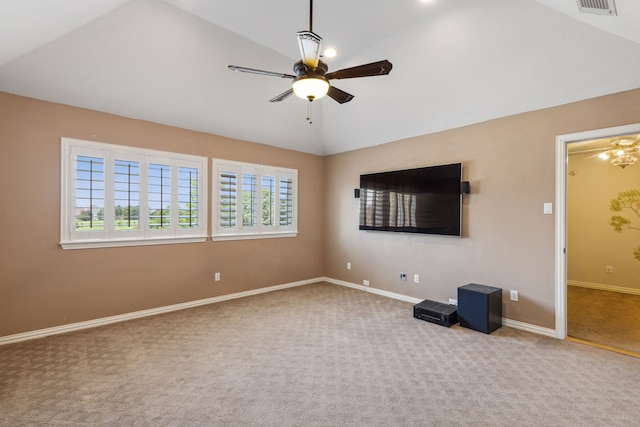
x=455 y=62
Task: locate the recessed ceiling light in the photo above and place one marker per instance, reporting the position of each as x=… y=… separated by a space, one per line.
x=330 y=52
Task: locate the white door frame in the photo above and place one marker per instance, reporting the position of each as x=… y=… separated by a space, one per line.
x=562 y=142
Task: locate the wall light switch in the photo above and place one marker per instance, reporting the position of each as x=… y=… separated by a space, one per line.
x=548 y=208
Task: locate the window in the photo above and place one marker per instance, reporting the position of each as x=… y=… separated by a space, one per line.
x=253 y=201
x=114 y=195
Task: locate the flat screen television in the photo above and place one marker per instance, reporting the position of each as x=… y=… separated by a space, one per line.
x=424 y=200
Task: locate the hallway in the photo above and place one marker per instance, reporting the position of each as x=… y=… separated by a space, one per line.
x=602 y=317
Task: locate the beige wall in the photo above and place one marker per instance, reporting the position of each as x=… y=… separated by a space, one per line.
x=507 y=242
x=43 y=286
x=592 y=244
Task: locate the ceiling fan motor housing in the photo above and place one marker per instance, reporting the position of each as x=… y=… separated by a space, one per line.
x=303 y=70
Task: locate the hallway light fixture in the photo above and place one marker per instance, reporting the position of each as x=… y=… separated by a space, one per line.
x=624 y=151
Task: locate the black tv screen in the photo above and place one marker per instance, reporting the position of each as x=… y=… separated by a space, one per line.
x=423 y=200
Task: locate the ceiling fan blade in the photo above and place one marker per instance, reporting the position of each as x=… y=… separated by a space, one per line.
x=339 y=95
x=380 y=68
x=309 y=43
x=284 y=95
x=261 y=72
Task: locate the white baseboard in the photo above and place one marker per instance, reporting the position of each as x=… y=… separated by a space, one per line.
x=56 y=330
x=602 y=287
x=373 y=290
x=528 y=327
x=41 y=333
x=505 y=322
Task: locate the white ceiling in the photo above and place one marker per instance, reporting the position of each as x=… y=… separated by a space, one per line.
x=456 y=62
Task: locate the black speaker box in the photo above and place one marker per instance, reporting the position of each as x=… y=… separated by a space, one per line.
x=480 y=307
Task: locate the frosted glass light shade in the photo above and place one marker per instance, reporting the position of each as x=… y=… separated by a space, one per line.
x=309 y=44
x=310 y=87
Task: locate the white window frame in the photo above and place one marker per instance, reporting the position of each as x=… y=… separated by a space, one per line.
x=70 y=238
x=259 y=231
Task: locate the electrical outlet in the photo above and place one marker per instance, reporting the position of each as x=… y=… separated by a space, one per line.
x=514 y=295
x=348 y=266
x=365 y=282
x=216 y=277
x=416 y=278
x=453 y=301
x=403 y=277
x=609 y=269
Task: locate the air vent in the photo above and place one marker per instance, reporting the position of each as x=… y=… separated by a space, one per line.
x=598 y=7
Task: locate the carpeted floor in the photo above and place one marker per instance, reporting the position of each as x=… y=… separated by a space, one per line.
x=315 y=355
x=604 y=317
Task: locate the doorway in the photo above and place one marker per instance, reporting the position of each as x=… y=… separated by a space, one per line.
x=593 y=301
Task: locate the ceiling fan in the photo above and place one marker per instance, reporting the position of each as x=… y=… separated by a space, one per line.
x=311 y=80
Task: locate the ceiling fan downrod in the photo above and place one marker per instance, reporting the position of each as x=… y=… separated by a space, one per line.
x=310 y=15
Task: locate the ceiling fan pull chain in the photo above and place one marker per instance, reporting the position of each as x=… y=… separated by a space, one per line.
x=309 y=113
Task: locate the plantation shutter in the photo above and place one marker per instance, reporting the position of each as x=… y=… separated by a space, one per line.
x=159 y=196
x=268 y=201
x=89 y=192
x=249 y=200
x=188 y=198
x=126 y=176
x=254 y=201
x=286 y=201
x=228 y=199
x=114 y=195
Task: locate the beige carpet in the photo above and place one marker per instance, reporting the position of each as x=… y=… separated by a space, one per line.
x=604 y=317
x=316 y=355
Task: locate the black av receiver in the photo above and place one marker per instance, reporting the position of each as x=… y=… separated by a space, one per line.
x=436 y=312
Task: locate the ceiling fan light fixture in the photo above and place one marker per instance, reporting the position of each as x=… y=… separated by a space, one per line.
x=311 y=80
x=310 y=87
x=624 y=161
x=623 y=153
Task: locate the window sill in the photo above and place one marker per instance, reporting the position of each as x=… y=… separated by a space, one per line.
x=225 y=237
x=89 y=244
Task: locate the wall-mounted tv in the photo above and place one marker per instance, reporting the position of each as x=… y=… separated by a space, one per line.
x=423 y=200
